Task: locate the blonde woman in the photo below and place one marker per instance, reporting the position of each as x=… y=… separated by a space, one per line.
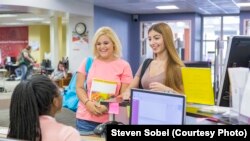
x=108 y=66
x=164 y=71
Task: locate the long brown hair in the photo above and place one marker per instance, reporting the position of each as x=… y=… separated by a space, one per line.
x=174 y=63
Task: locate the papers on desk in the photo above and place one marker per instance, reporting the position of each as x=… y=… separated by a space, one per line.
x=214 y=109
x=237 y=78
x=240 y=90
x=198 y=85
x=4 y=130
x=245 y=104
x=102 y=90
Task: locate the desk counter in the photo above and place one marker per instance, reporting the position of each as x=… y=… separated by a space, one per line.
x=195 y=114
x=4 y=131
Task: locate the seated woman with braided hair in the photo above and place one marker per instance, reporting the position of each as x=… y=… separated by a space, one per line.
x=34 y=103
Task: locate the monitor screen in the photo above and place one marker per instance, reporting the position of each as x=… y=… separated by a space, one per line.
x=238 y=55
x=13 y=60
x=152 y=108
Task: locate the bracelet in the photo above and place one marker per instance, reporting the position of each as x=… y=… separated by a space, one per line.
x=86 y=102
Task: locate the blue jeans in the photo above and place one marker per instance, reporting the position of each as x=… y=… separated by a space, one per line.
x=18 y=72
x=86 y=127
x=26 y=71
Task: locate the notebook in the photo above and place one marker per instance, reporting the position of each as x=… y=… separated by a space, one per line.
x=156 y=108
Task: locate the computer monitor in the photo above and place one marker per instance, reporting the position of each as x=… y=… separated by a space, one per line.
x=13 y=60
x=156 y=108
x=238 y=55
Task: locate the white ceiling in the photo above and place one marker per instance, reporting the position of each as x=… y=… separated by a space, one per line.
x=25 y=12
x=205 y=7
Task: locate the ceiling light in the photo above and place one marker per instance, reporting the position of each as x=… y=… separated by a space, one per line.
x=7 y=15
x=246 y=4
x=46 y=22
x=167 y=7
x=11 y=23
x=31 y=19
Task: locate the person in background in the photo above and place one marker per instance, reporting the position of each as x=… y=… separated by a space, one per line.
x=107 y=65
x=33 y=106
x=164 y=71
x=26 y=62
x=59 y=73
x=18 y=73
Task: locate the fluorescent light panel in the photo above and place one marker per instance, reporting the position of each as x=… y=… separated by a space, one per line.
x=31 y=19
x=11 y=23
x=46 y=22
x=245 y=4
x=7 y=15
x=167 y=7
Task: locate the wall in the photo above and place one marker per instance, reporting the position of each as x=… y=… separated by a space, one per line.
x=63 y=51
x=197 y=46
x=45 y=41
x=31 y=34
x=78 y=49
x=126 y=29
x=40 y=34
x=134 y=46
x=243 y=15
x=118 y=21
x=12 y=41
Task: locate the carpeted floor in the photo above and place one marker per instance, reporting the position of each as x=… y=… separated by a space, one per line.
x=65 y=116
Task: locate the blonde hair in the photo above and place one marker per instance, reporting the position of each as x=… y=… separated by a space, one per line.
x=174 y=63
x=112 y=36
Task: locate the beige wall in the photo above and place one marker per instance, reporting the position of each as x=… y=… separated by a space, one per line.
x=41 y=33
x=64 y=40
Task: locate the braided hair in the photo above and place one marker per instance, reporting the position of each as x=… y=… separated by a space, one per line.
x=30 y=99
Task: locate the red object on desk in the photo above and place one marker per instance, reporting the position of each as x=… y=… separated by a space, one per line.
x=213 y=119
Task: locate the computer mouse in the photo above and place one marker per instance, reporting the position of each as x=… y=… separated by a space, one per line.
x=100 y=129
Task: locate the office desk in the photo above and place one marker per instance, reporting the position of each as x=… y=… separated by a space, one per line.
x=11 y=68
x=92 y=138
x=123 y=117
x=2 y=76
x=4 y=131
x=199 y=114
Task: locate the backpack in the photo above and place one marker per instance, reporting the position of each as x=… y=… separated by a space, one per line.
x=143 y=69
x=70 y=98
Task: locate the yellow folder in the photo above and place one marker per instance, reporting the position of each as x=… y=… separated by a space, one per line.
x=198 y=85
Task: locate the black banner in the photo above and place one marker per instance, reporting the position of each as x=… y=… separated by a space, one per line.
x=116 y=132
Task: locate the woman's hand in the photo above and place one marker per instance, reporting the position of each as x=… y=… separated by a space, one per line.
x=124 y=96
x=95 y=108
x=103 y=109
x=156 y=86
